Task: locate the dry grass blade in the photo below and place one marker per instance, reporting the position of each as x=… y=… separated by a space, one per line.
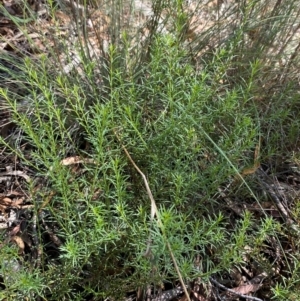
x=154 y=212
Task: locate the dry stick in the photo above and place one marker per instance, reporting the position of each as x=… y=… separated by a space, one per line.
x=154 y=212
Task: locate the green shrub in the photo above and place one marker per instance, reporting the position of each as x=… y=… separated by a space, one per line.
x=188 y=131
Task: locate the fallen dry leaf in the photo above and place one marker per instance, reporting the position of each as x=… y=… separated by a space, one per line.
x=15 y=230
x=6 y=201
x=247 y=288
x=20 y=243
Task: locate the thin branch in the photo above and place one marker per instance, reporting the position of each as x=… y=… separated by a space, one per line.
x=154 y=212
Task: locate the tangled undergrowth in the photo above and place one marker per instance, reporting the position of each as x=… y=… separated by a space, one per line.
x=153 y=156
